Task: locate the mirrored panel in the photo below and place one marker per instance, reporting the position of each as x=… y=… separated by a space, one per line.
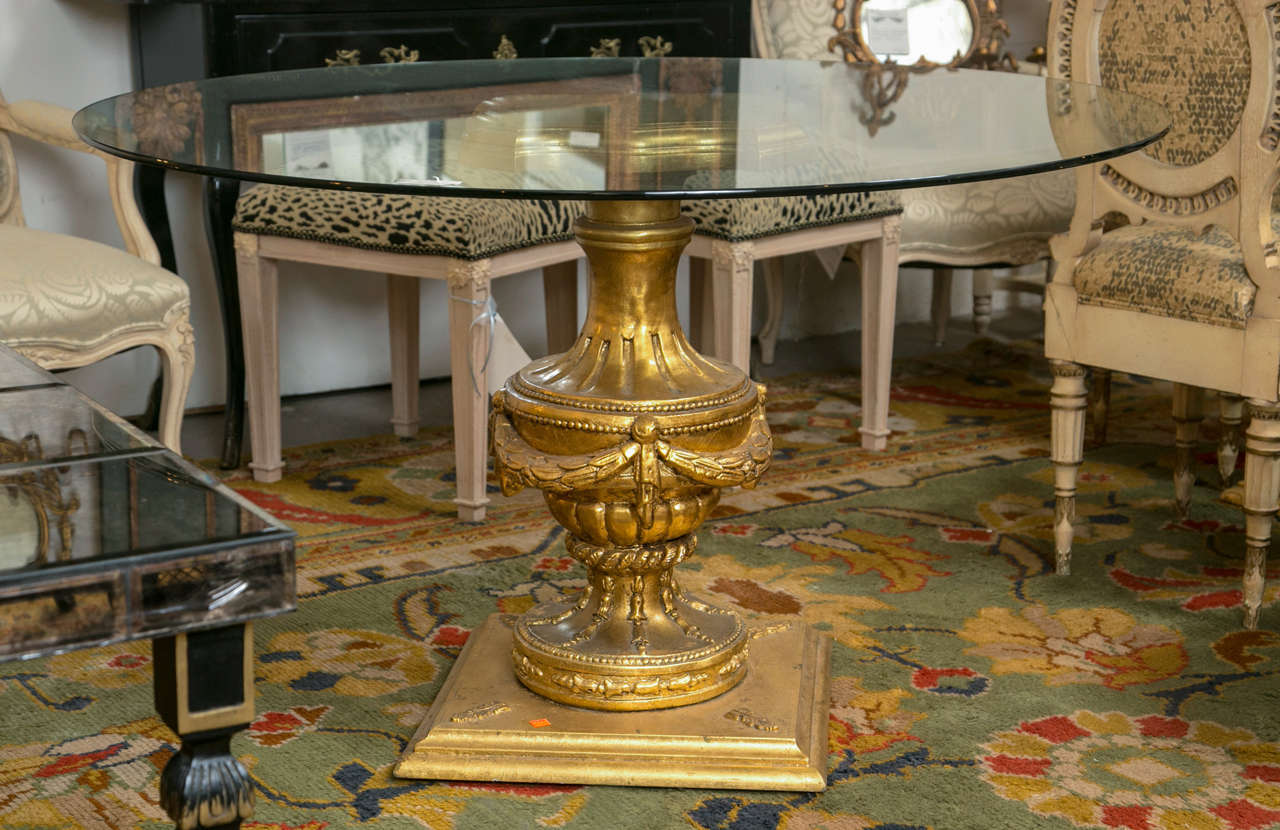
x=908 y=31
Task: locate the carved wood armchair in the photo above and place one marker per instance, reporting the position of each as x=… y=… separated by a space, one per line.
x=67 y=302
x=1187 y=288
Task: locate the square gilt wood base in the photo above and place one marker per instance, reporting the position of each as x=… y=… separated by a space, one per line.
x=768 y=733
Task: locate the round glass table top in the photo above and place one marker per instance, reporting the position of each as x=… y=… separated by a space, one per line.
x=620 y=128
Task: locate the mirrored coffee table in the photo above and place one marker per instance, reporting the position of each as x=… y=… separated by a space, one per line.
x=106 y=536
x=630 y=434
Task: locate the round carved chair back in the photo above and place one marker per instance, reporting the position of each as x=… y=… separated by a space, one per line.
x=1211 y=65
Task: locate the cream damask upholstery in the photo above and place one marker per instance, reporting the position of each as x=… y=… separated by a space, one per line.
x=59 y=292
x=67 y=302
x=422 y=225
x=1004 y=222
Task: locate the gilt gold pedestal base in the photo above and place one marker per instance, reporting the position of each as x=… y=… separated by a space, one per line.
x=631 y=435
x=767 y=733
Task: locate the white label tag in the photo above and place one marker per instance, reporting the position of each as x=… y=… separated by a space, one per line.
x=887 y=31
x=582 y=138
x=507 y=358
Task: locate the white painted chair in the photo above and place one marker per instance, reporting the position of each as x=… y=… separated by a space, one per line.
x=67 y=302
x=731 y=235
x=1187 y=290
x=467 y=242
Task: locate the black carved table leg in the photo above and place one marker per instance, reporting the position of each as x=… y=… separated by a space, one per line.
x=148 y=192
x=219 y=208
x=204 y=692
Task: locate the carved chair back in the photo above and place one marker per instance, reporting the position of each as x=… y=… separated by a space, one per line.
x=10 y=204
x=1212 y=65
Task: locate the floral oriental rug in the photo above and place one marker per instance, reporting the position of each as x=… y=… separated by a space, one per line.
x=971 y=687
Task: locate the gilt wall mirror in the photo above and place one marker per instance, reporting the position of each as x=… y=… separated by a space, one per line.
x=919 y=32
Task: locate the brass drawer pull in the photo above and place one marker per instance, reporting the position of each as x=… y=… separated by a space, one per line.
x=506 y=50
x=344 y=57
x=655 y=47
x=403 y=54
x=608 y=47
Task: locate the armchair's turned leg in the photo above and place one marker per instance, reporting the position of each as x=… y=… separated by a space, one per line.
x=259 y=292
x=560 y=292
x=204 y=692
x=1231 y=417
x=468 y=358
x=772 y=269
x=402 y=317
x=733 y=264
x=1099 y=403
x=879 y=306
x=1188 y=412
x=178 y=363
x=940 y=310
x=1261 y=490
x=1067 y=450
x=702 y=332
x=219 y=208
x=984 y=286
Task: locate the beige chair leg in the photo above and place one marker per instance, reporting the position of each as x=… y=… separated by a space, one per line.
x=1261 y=490
x=178 y=361
x=468 y=347
x=1188 y=412
x=259 y=302
x=560 y=293
x=732 y=269
x=772 y=270
x=702 y=333
x=1067 y=399
x=1231 y=417
x=984 y=286
x=879 y=306
x=1099 y=403
x=940 y=310
x=402 y=319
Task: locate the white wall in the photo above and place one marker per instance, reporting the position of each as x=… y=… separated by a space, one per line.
x=333 y=323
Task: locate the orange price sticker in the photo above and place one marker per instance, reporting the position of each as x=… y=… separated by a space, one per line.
x=539 y=723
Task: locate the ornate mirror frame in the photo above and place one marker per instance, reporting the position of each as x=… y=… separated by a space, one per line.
x=989 y=32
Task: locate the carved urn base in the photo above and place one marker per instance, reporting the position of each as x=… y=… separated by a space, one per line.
x=631 y=434
x=632 y=640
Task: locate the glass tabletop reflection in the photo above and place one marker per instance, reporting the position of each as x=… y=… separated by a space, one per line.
x=106 y=536
x=619 y=128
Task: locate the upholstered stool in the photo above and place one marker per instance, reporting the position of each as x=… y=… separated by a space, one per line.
x=732 y=234
x=467 y=242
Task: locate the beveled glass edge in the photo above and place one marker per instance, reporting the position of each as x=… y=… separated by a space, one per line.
x=127 y=619
x=142 y=556
x=64 y=648
x=640 y=195
x=424 y=189
x=88 y=458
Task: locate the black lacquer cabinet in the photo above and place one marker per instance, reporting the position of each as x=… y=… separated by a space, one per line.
x=183 y=40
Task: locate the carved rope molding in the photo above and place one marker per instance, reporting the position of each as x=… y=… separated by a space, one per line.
x=1196 y=203
x=1270 y=138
